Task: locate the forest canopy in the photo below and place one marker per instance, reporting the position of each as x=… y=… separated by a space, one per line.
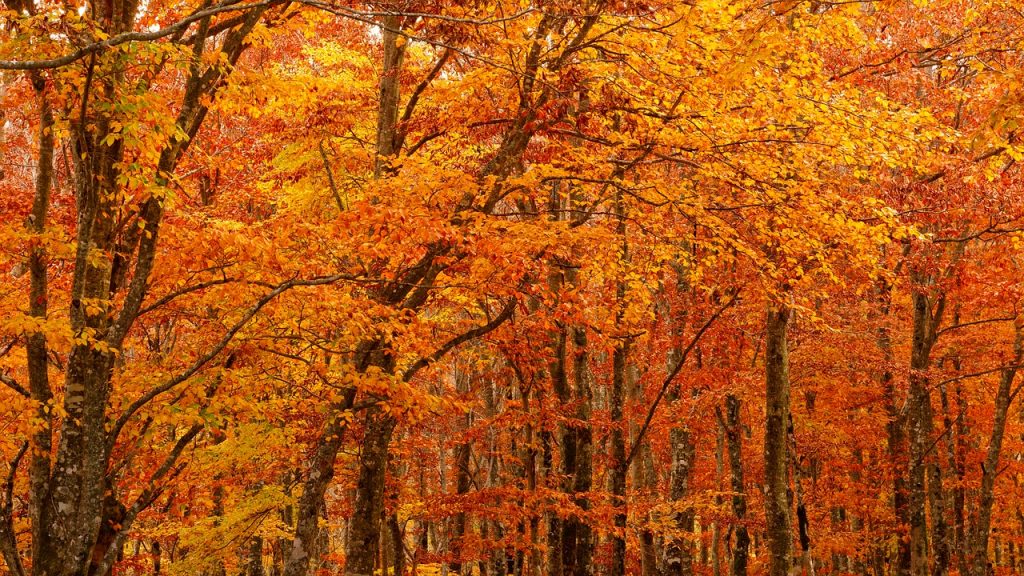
x=511 y=287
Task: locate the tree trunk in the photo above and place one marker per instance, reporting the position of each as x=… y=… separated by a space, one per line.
x=803 y=523
x=365 y=532
x=925 y=324
x=620 y=468
x=680 y=550
x=936 y=499
x=254 y=558
x=644 y=479
x=364 y=535
x=982 y=525
x=398 y=543
x=734 y=439
x=462 y=478
x=716 y=528
x=566 y=440
x=78 y=526
x=895 y=434
x=583 y=562
x=956 y=492
x=321 y=471
x=775 y=451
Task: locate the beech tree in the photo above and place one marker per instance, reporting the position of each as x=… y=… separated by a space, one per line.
x=509 y=287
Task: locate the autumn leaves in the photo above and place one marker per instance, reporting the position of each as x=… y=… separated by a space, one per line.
x=527 y=288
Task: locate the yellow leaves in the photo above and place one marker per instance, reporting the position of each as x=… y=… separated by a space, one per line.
x=253 y=514
x=56 y=330
x=260 y=36
x=1017 y=240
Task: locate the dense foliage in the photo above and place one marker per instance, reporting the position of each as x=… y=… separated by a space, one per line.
x=518 y=287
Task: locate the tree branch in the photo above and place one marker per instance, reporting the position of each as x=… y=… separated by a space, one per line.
x=217 y=348
x=8 y=539
x=13 y=385
x=477 y=332
x=148 y=495
x=330 y=178
x=415 y=97
x=634 y=448
x=182 y=292
x=97 y=47
x=976 y=322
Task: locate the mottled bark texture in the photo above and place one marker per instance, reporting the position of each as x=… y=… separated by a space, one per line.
x=776 y=455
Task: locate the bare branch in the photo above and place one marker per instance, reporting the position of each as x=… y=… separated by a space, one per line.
x=414 y=99
x=330 y=178
x=13 y=385
x=976 y=322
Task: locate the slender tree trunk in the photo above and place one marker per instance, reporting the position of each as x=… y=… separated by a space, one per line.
x=154 y=551
x=680 y=550
x=462 y=479
x=803 y=522
x=566 y=441
x=716 y=528
x=397 y=543
x=254 y=558
x=856 y=522
x=620 y=467
x=982 y=525
x=775 y=452
x=583 y=563
x=734 y=438
x=936 y=499
x=533 y=525
x=644 y=479
x=895 y=435
x=956 y=492
x=926 y=319
x=36 y=347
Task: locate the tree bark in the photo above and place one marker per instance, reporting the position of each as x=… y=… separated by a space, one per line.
x=896 y=437
x=78 y=526
x=620 y=468
x=318 y=478
x=583 y=550
x=253 y=565
x=734 y=439
x=680 y=550
x=982 y=517
x=776 y=455
x=926 y=319
x=36 y=345
x=364 y=534
x=462 y=478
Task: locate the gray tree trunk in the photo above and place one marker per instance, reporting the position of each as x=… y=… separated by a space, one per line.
x=776 y=455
